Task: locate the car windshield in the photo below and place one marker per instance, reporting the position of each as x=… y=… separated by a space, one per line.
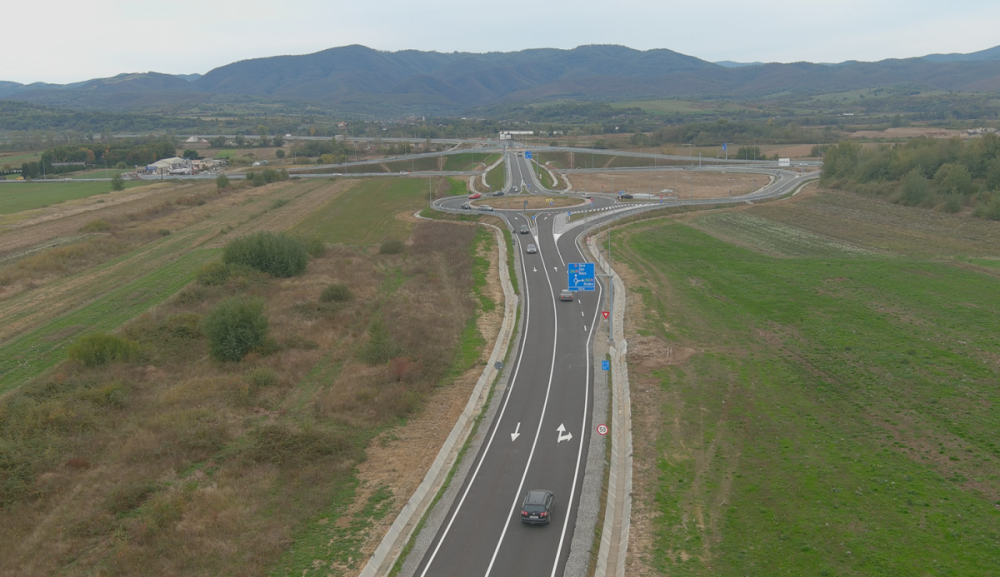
x=534 y=508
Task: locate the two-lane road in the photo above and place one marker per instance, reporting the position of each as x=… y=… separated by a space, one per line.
x=550 y=388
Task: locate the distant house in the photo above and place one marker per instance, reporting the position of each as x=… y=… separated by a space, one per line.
x=173 y=165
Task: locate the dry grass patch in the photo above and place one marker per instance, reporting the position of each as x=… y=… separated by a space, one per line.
x=679 y=183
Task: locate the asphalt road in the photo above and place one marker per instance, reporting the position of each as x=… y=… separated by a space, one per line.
x=550 y=389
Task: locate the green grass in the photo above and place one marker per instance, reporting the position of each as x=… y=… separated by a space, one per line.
x=481 y=267
x=366 y=214
x=496 y=177
x=469 y=161
x=21 y=196
x=36 y=351
x=841 y=420
x=16 y=160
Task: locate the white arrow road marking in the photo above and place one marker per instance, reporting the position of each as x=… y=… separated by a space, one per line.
x=515 y=434
x=561 y=430
x=534 y=269
x=581 y=313
x=555 y=268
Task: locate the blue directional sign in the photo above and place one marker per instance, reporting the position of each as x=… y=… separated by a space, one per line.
x=527 y=154
x=606 y=365
x=580 y=276
x=723 y=146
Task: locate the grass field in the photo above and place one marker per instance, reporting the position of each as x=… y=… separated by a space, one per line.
x=30 y=195
x=469 y=161
x=172 y=463
x=818 y=408
x=15 y=160
x=366 y=214
x=497 y=177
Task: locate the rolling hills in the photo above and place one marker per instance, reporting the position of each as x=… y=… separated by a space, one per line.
x=355 y=78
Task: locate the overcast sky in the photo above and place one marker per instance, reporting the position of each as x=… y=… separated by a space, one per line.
x=62 y=41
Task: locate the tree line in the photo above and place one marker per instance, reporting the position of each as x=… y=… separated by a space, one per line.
x=947 y=175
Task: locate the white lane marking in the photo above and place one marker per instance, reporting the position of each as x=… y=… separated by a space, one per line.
x=584 y=328
x=541 y=419
x=567 y=437
x=583 y=423
x=499 y=417
x=515 y=434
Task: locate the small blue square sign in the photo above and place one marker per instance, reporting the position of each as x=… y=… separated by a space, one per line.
x=606 y=365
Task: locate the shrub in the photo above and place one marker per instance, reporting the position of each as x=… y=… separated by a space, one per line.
x=314 y=246
x=234 y=327
x=279 y=202
x=262 y=377
x=163 y=232
x=98 y=349
x=257 y=179
x=336 y=293
x=96 y=226
x=380 y=346
x=117 y=182
x=221 y=181
x=952 y=204
x=391 y=246
x=276 y=254
x=129 y=497
x=993 y=208
x=213 y=273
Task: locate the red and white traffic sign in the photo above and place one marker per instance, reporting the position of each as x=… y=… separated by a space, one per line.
x=602 y=430
x=606 y=314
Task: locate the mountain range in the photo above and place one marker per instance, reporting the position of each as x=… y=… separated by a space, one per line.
x=356 y=78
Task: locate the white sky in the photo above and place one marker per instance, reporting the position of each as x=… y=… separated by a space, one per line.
x=62 y=41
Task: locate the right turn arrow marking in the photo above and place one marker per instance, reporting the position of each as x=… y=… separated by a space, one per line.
x=562 y=437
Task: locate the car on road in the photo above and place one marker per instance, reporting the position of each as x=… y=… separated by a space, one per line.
x=403 y=172
x=475 y=195
x=524 y=229
x=513 y=190
x=466 y=206
x=566 y=295
x=486 y=208
x=532 y=249
x=586 y=195
x=498 y=193
x=625 y=196
x=538 y=506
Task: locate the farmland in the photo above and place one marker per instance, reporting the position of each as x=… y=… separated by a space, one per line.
x=21 y=196
x=821 y=388
x=173 y=463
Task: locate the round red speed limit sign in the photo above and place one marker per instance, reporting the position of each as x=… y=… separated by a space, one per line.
x=602 y=430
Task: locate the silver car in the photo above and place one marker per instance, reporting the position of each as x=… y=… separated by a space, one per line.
x=532 y=249
x=486 y=208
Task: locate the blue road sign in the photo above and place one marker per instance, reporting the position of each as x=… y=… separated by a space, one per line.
x=606 y=365
x=527 y=154
x=723 y=146
x=580 y=276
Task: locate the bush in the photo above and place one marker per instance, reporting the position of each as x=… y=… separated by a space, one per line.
x=96 y=226
x=391 y=246
x=221 y=181
x=952 y=204
x=257 y=179
x=213 y=274
x=117 y=182
x=336 y=293
x=314 y=246
x=380 y=346
x=279 y=255
x=993 y=208
x=98 y=349
x=163 y=232
x=234 y=327
x=262 y=377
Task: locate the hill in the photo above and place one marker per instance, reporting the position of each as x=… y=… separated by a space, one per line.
x=359 y=79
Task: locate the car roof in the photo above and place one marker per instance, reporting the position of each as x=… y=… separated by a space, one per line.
x=536 y=497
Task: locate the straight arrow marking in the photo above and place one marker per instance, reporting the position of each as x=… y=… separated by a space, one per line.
x=515 y=434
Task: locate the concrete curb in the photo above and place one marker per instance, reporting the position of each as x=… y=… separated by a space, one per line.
x=618 y=512
x=388 y=551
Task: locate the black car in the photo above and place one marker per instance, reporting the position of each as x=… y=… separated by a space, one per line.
x=538 y=506
x=524 y=229
x=625 y=196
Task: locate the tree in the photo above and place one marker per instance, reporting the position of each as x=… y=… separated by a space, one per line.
x=240 y=140
x=117 y=182
x=953 y=178
x=750 y=153
x=221 y=181
x=191 y=154
x=218 y=142
x=278 y=140
x=915 y=189
x=280 y=153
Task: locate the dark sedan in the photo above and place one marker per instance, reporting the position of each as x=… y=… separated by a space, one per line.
x=538 y=506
